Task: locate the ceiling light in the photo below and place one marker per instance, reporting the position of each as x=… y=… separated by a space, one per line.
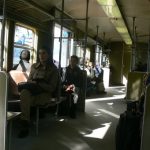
x=111 y=9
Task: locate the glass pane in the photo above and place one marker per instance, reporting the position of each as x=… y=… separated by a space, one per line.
x=67 y=45
x=64 y=33
x=16 y=55
x=57 y=31
x=64 y=62
x=0 y=31
x=56 y=49
x=23 y=36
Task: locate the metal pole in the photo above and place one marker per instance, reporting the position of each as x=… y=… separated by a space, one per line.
x=2 y=36
x=61 y=31
x=96 y=46
x=60 y=50
x=133 y=47
x=148 y=59
x=86 y=30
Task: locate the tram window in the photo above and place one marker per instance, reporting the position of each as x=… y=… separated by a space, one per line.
x=98 y=55
x=67 y=45
x=87 y=54
x=23 y=39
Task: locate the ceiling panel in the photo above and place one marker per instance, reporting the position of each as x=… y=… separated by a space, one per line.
x=140 y=9
x=97 y=17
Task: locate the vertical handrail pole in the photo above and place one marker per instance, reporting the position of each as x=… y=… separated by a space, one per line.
x=2 y=36
x=60 y=51
x=148 y=59
x=133 y=47
x=61 y=32
x=97 y=27
x=86 y=30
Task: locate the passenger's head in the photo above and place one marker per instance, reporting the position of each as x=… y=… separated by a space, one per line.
x=45 y=56
x=74 y=61
x=25 y=55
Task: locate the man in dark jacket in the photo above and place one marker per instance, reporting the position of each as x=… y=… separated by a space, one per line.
x=72 y=83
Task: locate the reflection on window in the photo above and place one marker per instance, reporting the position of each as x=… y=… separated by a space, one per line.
x=16 y=56
x=23 y=36
x=23 y=39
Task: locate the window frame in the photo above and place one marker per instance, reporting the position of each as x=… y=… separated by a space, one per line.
x=32 y=49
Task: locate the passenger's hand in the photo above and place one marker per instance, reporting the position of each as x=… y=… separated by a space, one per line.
x=65 y=86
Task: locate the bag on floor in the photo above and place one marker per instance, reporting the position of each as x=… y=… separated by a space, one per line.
x=128 y=131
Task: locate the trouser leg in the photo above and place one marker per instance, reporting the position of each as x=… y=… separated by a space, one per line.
x=26 y=100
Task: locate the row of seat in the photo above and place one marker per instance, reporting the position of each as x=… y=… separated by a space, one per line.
x=16 y=77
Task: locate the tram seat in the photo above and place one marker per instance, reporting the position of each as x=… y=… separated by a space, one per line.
x=55 y=101
x=14 y=78
x=82 y=92
x=13 y=95
x=146 y=122
x=134 y=86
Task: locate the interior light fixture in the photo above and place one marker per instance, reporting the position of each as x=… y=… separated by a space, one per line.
x=111 y=9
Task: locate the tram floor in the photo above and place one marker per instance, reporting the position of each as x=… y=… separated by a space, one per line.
x=92 y=130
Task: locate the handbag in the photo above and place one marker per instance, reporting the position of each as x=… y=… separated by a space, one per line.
x=34 y=88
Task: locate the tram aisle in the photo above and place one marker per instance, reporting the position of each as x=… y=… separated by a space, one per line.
x=94 y=130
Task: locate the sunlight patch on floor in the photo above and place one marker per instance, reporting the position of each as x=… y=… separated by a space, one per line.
x=97 y=114
x=75 y=143
x=106 y=98
x=100 y=132
x=110 y=104
x=109 y=113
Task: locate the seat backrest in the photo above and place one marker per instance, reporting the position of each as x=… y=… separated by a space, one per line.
x=14 y=78
x=146 y=122
x=134 y=85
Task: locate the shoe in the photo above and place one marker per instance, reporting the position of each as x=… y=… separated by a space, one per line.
x=24 y=123
x=42 y=115
x=73 y=116
x=24 y=132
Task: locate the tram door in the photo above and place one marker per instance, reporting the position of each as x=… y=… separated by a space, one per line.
x=3 y=97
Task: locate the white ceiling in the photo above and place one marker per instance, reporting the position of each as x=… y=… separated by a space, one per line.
x=130 y=8
x=97 y=17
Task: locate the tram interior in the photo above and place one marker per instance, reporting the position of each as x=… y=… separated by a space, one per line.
x=113 y=33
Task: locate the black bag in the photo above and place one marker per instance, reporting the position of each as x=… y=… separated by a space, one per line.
x=128 y=131
x=34 y=88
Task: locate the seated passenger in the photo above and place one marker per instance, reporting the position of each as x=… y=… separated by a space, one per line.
x=72 y=82
x=23 y=64
x=99 y=79
x=44 y=75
